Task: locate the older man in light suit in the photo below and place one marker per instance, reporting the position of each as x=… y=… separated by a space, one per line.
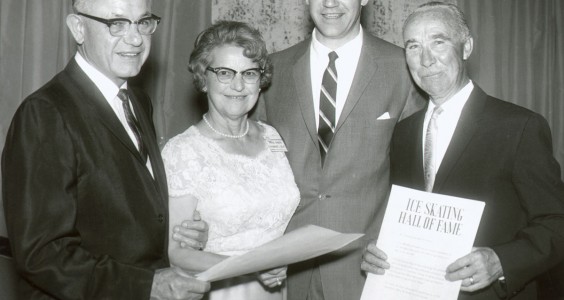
x=343 y=180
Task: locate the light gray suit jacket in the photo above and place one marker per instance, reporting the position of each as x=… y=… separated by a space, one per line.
x=349 y=193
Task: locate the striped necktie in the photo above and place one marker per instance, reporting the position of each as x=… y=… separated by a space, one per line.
x=327 y=103
x=123 y=95
x=428 y=154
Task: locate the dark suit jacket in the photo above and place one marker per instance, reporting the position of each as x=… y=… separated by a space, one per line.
x=349 y=194
x=501 y=154
x=85 y=218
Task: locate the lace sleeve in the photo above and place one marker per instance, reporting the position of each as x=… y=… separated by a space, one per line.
x=182 y=165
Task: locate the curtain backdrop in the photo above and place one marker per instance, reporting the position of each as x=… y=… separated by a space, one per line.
x=519 y=56
x=518 y=52
x=165 y=76
x=34 y=45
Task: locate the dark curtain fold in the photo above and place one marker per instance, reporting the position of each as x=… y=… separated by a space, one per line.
x=519 y=56
x=165 y=75
x=34 y=45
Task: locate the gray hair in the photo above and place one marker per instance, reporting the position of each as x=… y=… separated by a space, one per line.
x=459 y=24
x=86 y=5
x=81 y=5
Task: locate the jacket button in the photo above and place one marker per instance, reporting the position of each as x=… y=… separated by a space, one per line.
x=160 y=218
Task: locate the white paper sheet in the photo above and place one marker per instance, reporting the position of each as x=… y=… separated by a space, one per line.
x=301 y=244
x=422 y=233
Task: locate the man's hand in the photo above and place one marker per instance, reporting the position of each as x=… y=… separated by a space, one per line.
x=477 y=270
x=374 y=260
x=192 y=233
x=273 y=278
x=173 y=283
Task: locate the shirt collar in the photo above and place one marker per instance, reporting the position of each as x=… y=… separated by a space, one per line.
x=350 y=49
x=457 y=101
x=107 y=87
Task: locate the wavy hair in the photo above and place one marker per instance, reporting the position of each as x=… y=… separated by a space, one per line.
x=458 y=21
x=229 y=33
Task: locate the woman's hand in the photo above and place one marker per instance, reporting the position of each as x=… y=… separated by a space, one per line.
x=273 y=278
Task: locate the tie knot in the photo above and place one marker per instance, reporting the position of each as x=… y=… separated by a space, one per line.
x=123 y=95
x=333 y=56
x=436 y=112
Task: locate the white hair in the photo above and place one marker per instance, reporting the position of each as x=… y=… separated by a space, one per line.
x=458 y=21
x=81 y=5
x=86 y=5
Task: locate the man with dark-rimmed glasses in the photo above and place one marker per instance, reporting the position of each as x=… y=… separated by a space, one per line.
x=84 y=187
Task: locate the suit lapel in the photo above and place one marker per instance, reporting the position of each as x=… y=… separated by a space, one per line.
x=146 y=128
x=364 y=73
x=302 y=82
x=97 y=104
x=148 y=135
x=466 y=127
x=94 y=104
x=417 y=176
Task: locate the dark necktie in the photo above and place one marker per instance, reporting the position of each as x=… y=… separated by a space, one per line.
x=327 y=103
x=123 y=95
x=429 y=151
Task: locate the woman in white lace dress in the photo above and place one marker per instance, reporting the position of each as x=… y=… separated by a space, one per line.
x=234 y=170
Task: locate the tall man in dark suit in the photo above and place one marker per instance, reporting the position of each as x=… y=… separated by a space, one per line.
x=468 y=144
x=337 y=141
x=84 y=187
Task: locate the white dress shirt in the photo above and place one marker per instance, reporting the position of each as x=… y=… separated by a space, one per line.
x=446 y=123
x=349 y=55
x=110 y=90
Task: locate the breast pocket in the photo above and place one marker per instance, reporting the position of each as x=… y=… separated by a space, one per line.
x=368 y=140
x=374 y=131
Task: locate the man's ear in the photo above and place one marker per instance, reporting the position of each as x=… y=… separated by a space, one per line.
x=76 y=26
x=468 y=47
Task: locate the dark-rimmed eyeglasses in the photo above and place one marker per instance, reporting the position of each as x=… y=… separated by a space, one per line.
x=120 y=26
x=225 y=75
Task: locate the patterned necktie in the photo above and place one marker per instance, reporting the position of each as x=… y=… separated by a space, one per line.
x=428 y=155
x=327 y=103
x=132 y=122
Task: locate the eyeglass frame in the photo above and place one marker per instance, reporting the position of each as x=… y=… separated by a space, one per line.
x=110 y=22
x=215 y=70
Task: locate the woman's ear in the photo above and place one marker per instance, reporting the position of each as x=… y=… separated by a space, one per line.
x=76 y=27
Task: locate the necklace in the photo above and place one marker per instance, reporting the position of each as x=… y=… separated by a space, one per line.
x=224 y=134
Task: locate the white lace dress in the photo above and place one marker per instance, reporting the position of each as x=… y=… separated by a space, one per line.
x=247 y=201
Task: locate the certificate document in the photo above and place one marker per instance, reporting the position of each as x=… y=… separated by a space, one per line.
x=422 y=233
x=301 y=244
